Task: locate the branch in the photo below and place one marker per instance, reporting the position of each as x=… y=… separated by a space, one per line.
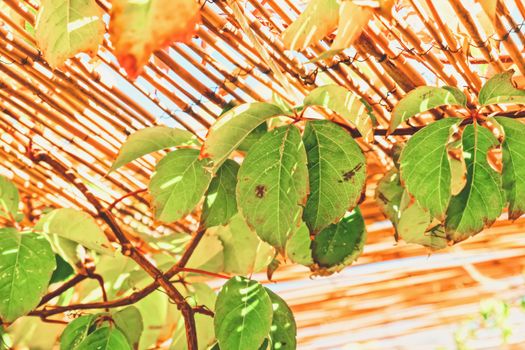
x=127 y=247
x=70 y=283
x=412 y=130
x=138 y=295
x=203 y=272
x=129 y=194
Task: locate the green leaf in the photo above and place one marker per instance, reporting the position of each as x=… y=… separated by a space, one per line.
x=63 y=270
x=172 y=242
x=345 y=103
x=513 y=165
x=209 y=254
x=425 y=167
x=272 y=185
x=340 y=244
x=317 y=21
x=65 y=28
x=284 y=330
x=244 y=252
x=26 y=262
x=228 y=132
x=424 y=98
x=9 y=198
x=129 y=322
x=105 y=338
x=389 y=194
x=77 y=226
x=337 y=170
x=152 y=139
x=76 y=331
x=500 y=89
x=155 y=310
x=243 y=314
x=178 y=184
x=116 y=271
x=411 y=222
x=279 y=101
x=413 y=227
x=220 y=203
x=253 y=137
x=67 y=249
x=480 y=203
x=298 y=246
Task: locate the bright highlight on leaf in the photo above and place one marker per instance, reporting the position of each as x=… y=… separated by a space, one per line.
x=422 y=99
x=346 y=104
x=140 y=27
x=284 y=329
x=317 y=21
x=65 y=28
x=352 y=20
x=243 y=314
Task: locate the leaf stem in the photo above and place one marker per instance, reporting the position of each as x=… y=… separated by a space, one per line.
x=204 y=272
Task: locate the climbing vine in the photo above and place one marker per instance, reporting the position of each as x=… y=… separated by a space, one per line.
x=294 y=195
x=270 y=183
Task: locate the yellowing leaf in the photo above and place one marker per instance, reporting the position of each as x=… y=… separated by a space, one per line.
x=345 y=103
x=352 y=20
x=489 y=6
x=317 y=21
x=65 y=28
x=150 y=140
x=77 y=226
x=500 y=89
x=139 y=27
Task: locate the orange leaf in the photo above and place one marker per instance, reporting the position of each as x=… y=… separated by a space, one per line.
x=138 y=28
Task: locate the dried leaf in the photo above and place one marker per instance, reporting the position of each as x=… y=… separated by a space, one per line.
x=138 y=28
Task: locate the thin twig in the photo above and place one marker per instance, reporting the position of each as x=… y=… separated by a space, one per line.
x=68 y=284
x=127 y=247
x=203 y=272
x=129 y=194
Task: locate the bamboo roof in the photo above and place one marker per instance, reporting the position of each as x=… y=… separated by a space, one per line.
x=396 y=294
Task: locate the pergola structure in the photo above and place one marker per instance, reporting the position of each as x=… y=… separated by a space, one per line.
x=397 y=296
